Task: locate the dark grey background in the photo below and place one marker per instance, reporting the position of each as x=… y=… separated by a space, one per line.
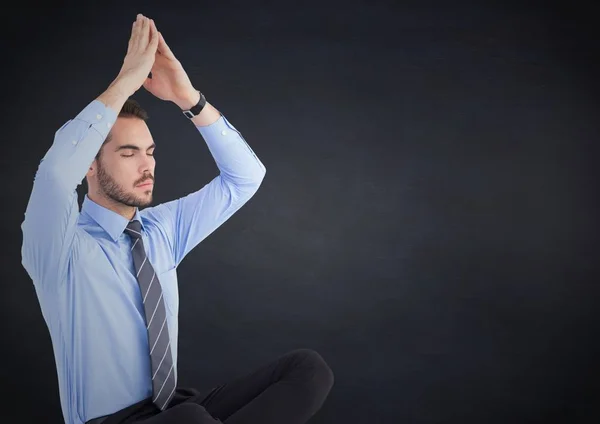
x=429 y=217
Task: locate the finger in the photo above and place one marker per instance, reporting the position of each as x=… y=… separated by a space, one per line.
x=164 y=48
x=153 y=36
x=134 y=35
x=144 y=36
x=137 y=31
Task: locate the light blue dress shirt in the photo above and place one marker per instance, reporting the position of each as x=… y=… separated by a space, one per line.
x=82 y=269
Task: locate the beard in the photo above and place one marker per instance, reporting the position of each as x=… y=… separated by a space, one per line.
x=114 y=191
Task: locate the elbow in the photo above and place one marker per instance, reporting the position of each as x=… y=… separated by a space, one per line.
x=258 y=178
x=261 y=172
x=261 y=175
x=250 y=186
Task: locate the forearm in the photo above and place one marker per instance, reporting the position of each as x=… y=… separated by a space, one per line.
x=207 y=116
x=116 y=94
x=237 y=162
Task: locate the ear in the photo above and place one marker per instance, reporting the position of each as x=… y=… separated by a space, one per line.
x=92 y=169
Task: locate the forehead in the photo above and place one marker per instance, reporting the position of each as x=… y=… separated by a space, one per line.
x=131 y=131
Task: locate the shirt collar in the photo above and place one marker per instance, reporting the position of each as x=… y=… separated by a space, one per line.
x=113 y=223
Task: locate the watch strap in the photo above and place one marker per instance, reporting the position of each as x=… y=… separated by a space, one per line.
x=195 y=110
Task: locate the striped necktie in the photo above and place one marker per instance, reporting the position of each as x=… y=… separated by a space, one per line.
x=163 y=374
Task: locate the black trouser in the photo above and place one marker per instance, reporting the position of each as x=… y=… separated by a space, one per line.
x=289 y=390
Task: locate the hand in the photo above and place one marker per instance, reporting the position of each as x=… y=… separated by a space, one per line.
x=141 y=52
x=169 y=81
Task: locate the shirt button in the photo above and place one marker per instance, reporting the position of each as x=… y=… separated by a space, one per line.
x=224 y=132
x=99 y=116
x=74 y=142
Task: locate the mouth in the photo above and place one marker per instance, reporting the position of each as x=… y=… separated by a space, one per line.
x=146 y=184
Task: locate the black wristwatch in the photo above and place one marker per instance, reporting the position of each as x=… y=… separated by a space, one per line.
x=194 y=111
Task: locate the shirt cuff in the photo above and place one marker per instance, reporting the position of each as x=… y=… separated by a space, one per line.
x=221 y=127
x=99 y=117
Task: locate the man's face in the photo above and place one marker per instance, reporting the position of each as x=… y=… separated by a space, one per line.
x=127 y=161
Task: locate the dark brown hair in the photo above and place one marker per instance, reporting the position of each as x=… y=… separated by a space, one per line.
x=131 y=109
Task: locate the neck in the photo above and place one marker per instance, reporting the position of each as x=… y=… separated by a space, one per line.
x=128 y=212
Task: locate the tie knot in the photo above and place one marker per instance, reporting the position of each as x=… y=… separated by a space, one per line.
x=134 y=229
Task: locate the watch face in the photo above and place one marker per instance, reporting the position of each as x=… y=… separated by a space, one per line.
x=188 y=114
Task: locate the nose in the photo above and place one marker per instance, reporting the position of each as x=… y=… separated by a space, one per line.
x=147 y=165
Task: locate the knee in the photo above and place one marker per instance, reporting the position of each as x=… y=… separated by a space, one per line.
x=319 y=370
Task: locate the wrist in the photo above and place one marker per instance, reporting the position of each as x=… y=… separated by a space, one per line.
x=122 y=86
x=115 y=95
x=189 y=101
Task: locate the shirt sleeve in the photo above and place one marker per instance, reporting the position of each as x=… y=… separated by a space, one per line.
x=52 y=211
x=190 y=219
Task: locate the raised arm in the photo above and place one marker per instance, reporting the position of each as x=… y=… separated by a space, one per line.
x=190 y=219
x=52 y=211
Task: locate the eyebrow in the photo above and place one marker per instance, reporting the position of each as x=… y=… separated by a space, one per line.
x=133 y=147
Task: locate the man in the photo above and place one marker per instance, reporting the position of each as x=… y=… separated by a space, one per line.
x=106 y=276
